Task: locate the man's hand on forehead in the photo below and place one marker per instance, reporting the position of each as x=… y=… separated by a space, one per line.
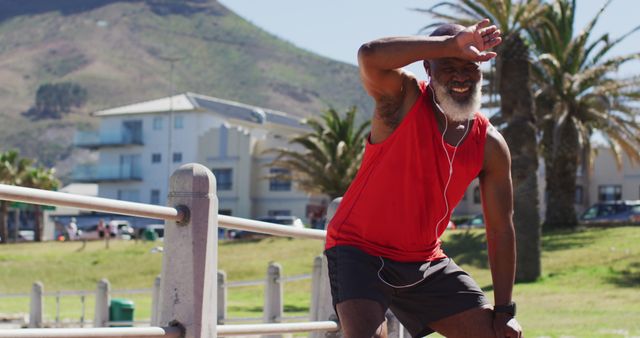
x=475 y=40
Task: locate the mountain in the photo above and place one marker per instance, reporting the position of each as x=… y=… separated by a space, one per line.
x=127 y=51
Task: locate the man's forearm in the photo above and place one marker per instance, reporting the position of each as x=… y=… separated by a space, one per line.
x=397 y=52
x=502 y=258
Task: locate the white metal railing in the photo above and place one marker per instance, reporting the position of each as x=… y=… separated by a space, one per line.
x=188 y=282
x=45 y=197
x=130 y=332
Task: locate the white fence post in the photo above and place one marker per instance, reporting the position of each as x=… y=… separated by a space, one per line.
x=316 y=279
x=101 y=316
x=394 y=327
x=188 y=284
x=273 y=304
x=222 y=296
x=35 y=312
x=155 y=302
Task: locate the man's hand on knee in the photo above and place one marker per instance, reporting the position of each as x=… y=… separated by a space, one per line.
x=506 y=326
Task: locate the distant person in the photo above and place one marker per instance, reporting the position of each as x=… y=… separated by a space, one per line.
x=72 y=229
x=428 y=142
x=101 y=228
x=113 y=228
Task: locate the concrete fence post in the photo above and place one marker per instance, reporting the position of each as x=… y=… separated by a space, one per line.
x=35 y=312
x=325 y=304
x=155 y=302
x=222 y=297
x=273 y=304
x=188 y=283
x=101 y=316
x=316 y=279
x=394 y=327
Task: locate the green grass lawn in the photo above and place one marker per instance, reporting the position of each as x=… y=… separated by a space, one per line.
x=590 y=285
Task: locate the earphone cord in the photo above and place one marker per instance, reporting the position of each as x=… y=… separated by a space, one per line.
x=396 y=286
x=449 y=160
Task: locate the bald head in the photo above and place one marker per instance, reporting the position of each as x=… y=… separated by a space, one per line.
x=447 y=29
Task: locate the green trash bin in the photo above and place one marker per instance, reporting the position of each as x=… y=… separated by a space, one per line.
x=149 y=235
x=121 y=310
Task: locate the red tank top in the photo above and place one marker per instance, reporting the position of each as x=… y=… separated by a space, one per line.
x=396 y=199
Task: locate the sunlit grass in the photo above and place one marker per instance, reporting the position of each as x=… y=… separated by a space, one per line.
x=590 y=285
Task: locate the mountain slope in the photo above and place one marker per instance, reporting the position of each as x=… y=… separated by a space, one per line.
x=128 y=51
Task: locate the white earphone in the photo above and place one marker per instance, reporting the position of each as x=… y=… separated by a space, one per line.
x=449 y=159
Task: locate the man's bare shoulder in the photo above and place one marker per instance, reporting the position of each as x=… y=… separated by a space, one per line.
x=496 y=151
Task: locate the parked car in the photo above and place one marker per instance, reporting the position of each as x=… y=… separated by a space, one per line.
x=293 y=221
x=88 y=233
x=476 y=221
x=612 y=212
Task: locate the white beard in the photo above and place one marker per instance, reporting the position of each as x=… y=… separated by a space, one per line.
x=455 y=110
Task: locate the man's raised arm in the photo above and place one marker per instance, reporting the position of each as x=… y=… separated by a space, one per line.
x=394 y=90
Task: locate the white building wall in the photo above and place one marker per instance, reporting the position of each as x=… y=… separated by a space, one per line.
x=606 y=172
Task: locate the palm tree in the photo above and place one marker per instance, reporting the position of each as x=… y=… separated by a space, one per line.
x=331 y=156
x=40 y=178
x=12 y=168
x=578 y=93
x=513 y=81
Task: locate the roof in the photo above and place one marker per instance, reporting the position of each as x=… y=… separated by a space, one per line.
x=166 y=104
x=197 y=102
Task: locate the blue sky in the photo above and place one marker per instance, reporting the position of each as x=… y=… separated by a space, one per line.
x=336 y=28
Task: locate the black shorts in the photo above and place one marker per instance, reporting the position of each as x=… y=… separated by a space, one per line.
x=446 y=290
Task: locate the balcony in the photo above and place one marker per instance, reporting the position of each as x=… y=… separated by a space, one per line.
x=93 y=173
x=95 y=139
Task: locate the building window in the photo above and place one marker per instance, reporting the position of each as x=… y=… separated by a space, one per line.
x=609 y=192
x=178 y=122
x=579 y=195
x=177 y=157
x=155 y=196
x=131 y=195
x=224 y=178
x=279 y=212
x=156 y=158
x=226 y=212
x=476 y=195
x=280 y=179
x=157 y=123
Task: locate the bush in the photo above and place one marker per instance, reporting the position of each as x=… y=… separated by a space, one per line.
x=53 y=100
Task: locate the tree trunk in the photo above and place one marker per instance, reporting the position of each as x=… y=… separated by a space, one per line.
x=561 y=181
x=4 y=230
x=518 y=109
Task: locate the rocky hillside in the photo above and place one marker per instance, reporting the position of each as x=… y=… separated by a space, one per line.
x=126 y=51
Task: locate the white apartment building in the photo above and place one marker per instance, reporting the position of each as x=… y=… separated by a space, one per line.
x=141 y=144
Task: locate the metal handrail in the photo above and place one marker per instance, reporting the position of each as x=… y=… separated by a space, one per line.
x=269 y=228
x=104 y=332
x=44 y=197
x=276 y=328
